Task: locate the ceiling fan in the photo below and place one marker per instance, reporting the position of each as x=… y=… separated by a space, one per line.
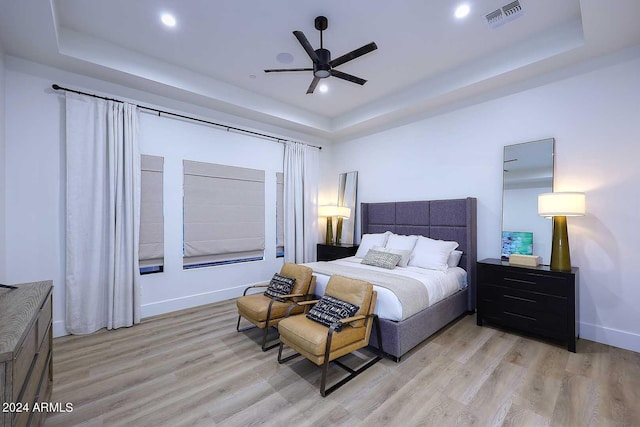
x=323 y=65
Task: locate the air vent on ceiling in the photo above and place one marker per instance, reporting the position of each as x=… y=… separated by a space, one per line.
x=504 y=14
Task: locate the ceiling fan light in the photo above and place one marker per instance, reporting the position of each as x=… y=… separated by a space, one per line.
x=168 y=20
x=321 y=73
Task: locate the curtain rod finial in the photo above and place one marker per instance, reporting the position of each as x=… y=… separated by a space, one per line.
x=55 y=86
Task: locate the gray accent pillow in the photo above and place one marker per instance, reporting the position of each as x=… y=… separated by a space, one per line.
x=386 y=260
x=279 y=285
x=330 y=310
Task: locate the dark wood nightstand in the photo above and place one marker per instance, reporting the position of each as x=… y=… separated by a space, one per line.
x=535 y=300
x=331 y=252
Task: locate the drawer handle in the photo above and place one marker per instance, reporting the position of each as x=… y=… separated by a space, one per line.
x=545 y=276
x=520 y=298
x=519 y=281
x=521 y=315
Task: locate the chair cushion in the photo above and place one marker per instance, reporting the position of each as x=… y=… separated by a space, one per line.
x=254 y=308
x=279 y=285
x=310 y=337
x=330 y=310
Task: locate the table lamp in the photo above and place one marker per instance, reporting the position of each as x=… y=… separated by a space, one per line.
x=560 y=206
x=329 y=212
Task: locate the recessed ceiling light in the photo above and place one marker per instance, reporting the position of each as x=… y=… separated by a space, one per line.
x=323 y=88
x=462 y=11
x=168 y=19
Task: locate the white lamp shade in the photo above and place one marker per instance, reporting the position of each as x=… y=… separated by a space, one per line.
x=331 y=210
x=561 y=204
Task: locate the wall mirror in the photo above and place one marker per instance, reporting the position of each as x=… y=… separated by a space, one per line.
x=527 y=172
x=347 y=188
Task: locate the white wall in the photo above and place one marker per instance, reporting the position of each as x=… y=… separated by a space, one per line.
x=3 y=263
x=595 y=120
x=35 y=198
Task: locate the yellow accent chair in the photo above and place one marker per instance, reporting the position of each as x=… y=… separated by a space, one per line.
x=323 y=344
x=265 y=312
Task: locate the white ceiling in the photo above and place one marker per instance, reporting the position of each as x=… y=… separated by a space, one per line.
x=426 y=59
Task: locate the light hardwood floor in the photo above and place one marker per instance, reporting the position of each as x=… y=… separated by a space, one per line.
x=192 y=368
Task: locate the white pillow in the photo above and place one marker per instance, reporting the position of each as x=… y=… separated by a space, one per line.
x=402 y=243
x=368 y=241
x=404 y=254
x=454 y=258
x=432 y=254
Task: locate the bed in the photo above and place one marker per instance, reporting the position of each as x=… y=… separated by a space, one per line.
x=448 y=220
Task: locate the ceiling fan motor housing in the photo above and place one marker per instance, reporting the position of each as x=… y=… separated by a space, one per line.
x=322 y=69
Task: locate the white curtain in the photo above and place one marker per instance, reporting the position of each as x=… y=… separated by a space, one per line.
x=103 y=214
x=301 y=176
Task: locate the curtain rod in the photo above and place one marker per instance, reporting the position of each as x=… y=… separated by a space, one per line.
x=228 y=128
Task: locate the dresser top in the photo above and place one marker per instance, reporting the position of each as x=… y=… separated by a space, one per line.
x=504 y=263
x=18 y=308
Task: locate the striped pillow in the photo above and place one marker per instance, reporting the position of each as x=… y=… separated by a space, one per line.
x=279 y=285
x=330 y=310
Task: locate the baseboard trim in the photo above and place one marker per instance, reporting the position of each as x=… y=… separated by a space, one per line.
x=614 y=337
x=170 y=305
x=189 y=301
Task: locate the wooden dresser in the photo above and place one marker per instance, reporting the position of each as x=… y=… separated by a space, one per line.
x=26 y=338
x=536 y=300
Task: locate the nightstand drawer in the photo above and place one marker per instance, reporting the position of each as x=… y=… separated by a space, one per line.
x=535 y=312
x=549 y=326
x=523 y=301
x=527 y=281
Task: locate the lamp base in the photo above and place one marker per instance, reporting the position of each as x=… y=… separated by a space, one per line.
x=329 y=235
x=560 y=256
x=339 y=230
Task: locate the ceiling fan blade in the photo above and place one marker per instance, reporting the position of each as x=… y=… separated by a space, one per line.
x=353 y=54
x=313 y=84
x=348 y=77
x=279 y=70
x=307 y=46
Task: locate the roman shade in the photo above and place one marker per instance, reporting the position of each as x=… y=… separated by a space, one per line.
x=224 y=212
x=151 y=252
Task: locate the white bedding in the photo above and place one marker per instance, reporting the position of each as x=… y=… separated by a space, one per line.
x=439 y=284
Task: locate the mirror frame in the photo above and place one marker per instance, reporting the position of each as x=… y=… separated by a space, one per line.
x=347 y=196
x=542 y=227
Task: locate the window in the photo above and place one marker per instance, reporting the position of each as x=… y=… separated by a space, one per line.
x=151 y=249
x=224 y=213
x=279 y=214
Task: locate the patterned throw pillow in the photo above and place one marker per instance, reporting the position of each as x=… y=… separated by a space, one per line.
x=330 y=310
x=386 y=260
x=279 y=285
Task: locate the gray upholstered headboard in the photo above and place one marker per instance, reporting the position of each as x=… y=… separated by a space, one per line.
x=453 y=219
